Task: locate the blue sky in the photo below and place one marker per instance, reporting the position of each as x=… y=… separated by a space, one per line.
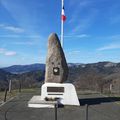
x=92 y=30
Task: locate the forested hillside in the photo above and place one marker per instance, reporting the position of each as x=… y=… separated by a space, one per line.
x=95 y=76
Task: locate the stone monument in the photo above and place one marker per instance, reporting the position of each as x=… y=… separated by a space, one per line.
x=56 y=65
x=54 y=91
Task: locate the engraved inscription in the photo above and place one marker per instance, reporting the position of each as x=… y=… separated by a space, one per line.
x=55 y=89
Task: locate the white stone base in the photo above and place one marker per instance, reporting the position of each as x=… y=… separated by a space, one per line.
x=65 y=94
x=36 y=102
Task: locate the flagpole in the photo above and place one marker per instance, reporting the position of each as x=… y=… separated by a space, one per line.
x=62 y=27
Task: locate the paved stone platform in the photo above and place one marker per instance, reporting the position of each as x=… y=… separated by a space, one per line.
x=93 y=106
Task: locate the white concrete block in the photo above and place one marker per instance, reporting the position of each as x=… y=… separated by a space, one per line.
x=65 y=92
x=36 y=102
x=55 y=93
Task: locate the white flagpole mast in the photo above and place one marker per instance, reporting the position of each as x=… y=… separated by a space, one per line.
x=62 y=26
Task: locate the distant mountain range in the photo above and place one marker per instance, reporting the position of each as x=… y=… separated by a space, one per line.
x=18 y=69
x=95 y=76
x=38 y=66
x=4 y=74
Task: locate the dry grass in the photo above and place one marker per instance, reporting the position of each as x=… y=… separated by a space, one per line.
x=13 y=93
x=9 y=95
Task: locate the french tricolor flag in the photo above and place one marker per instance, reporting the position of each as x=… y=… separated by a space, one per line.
x=63 y=17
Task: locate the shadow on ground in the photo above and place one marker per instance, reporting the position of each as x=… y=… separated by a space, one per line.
x=94 y=101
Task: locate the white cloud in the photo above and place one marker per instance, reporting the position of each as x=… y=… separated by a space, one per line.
x=78 y=36
x=84 y=23
x=32 y=41
x=25 y=43
x=80 y=3
x=7 y=52
x=12 y=28
x=1 y=25
x=81 y=26
x=74 y=53
x=78 y=9
x=114 y=37
x=10 y=53
x=109 y=47
x=18 y=36
x=2 y=50
x=9 y=36
x=78 y=21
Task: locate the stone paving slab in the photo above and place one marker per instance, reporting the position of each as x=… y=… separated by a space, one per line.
x=97 y=106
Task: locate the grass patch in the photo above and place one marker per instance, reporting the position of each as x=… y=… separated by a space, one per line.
x=86 y=92
x=9 y=95
x=30 y=90
x=13 y=93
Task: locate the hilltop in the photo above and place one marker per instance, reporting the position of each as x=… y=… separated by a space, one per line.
x=94 y=76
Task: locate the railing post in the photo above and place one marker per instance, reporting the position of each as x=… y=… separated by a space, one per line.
x=56 y=111
x=86 y=113
x=5 y=95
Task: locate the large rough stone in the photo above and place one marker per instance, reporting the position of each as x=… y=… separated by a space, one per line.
x=56 y=65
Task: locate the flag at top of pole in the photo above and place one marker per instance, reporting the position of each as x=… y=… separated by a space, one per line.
x=63 y=18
